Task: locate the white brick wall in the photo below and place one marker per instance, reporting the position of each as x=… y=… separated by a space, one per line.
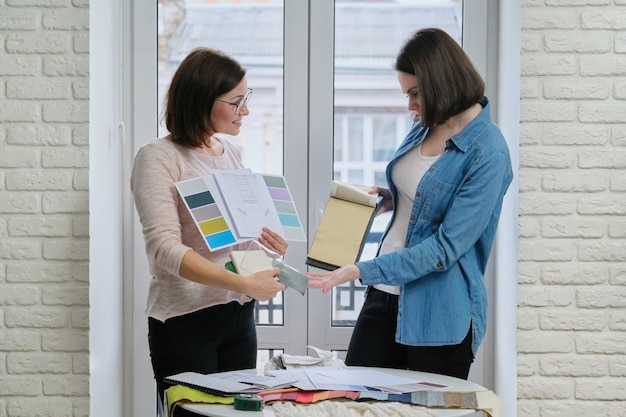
x=44 y=178
x=572 y=248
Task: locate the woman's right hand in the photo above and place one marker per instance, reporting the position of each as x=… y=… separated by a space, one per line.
x=387 y=203
x=264 y=285
x=327 y=280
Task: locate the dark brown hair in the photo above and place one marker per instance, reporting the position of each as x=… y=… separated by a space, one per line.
x=447 y=80
x=204 y=75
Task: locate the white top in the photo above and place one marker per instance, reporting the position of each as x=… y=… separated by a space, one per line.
x=406 y=175
x=169 y=230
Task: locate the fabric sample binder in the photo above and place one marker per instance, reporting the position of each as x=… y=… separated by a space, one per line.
x=346 y=221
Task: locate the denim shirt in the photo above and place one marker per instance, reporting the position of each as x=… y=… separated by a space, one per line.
x=451 y=230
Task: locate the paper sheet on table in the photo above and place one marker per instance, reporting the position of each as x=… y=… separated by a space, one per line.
x=363 y=380
x=298 y=375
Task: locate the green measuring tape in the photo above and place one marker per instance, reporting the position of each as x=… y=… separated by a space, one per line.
x=246 y=402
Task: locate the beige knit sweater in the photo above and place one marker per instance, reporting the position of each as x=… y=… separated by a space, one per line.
x=169 y=230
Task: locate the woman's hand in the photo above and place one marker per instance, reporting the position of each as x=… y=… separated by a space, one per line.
x=264 y=285
x=331 y=279
x=387 y=203
x=273 y=241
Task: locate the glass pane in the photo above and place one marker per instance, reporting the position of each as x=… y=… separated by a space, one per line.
x=355 y=136
x=264 y=355
x=368 y=98
x=270 y=312
x=338 y=145
x=347 y=301
x=384 y=137
x=252 y=33
x=355 y=176
x=379 y=178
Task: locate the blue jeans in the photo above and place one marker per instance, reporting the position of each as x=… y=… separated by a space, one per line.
x=373 y=342
x=215 y=339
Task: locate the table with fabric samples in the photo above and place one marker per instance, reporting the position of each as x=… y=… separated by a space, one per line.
x=449 y=397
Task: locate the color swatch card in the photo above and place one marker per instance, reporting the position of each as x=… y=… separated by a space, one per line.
x=231 y=207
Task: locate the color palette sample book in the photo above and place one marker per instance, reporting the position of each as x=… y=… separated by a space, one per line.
x=231 y=207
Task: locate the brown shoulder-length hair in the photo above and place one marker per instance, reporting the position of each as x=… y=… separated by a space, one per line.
x=447 y=81
x=204 y=75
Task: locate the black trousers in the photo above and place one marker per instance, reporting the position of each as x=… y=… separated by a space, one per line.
x=373 y=342
x=216 y=339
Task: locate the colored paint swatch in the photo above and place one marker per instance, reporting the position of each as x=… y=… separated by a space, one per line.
x=208 y=216
x=207 y=200
x=286 y=208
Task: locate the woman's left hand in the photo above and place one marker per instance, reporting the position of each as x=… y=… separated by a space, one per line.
x=331 y=279
x=273 y=241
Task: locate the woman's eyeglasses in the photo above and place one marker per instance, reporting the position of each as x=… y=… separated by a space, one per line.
x=239 y=103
